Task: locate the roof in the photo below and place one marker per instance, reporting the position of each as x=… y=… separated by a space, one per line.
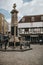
x=26 y=19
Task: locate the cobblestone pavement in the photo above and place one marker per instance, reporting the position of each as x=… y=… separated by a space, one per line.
x=29 y=57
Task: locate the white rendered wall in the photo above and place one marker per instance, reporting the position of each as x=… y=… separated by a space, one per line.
x=29 y=25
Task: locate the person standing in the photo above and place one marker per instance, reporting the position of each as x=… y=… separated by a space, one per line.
x=20 y=43
x=6 y=42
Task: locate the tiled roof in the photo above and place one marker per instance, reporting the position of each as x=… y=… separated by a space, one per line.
x=37 y=18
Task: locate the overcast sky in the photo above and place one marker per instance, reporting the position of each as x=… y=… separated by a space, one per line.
x=25 y=7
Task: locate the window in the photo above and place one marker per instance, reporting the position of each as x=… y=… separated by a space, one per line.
x=26 y=29
x=32 y=19
x=41 y=17
x=41 y=30
x=22 y=31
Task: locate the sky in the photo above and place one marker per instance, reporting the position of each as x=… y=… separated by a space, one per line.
x=25 y=7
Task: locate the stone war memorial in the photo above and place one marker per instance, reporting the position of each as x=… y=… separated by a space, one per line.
x=14 y=25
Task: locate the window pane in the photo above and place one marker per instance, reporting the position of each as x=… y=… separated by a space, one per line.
x=41 y=17
x=32 y=18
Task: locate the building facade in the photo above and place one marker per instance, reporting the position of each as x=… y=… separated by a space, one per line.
x=6 y=27
x=31 y=27
x=3 y=25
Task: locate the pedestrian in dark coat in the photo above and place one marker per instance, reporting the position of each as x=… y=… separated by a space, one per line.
x=6 y=41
